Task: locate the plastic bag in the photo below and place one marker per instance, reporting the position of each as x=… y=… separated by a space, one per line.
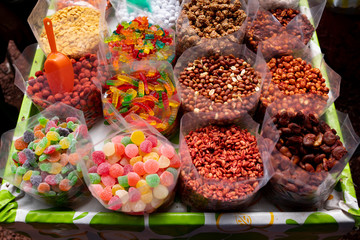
x=148 y=89
x=76 y=28
x=277 y=19
x=224 y=89
x=85 y=95
x=40 y=156
x=59 y=4
x=237 y=163
x=194 y=24
x=307 y=163
x=301 y=77
x=133 y=168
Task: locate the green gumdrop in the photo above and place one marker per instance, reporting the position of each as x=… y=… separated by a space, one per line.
x=78 y=167
x=71 y=125
x=43 y=142
x=71 y=175
x=20 y=171
x=31 y=146
x=15 y=157
x=43 y=157
x=35 y=145
x=123 y=181
x=42 y=120
x=57 y=147
x=173 y=171
x=52 y=129
x=35 y=173
x=46 y=167
x=153 y=180
x=50 y=194
x=34 y=164
x=64 y=170
x=73 y=180
x=94 y=178
x=13 y=169
x=126 y=140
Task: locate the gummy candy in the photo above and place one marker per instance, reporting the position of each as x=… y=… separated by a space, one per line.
x=131 y=150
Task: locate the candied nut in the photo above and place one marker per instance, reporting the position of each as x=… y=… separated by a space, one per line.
x=338 y=152
x=309 y=140
x=329 y=138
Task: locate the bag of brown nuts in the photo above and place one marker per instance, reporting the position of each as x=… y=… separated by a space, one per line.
x=85 y=95
x=223 y=166
x=274 y=20
x=309 y=156
x=302 y=80
x=220 y=80
x=202 y=20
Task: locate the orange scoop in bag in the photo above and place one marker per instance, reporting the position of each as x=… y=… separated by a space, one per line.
x=58 y=67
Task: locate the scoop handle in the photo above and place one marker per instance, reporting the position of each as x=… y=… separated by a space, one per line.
x=50 y=34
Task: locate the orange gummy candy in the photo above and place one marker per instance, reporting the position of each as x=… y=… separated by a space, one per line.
x=19 y=144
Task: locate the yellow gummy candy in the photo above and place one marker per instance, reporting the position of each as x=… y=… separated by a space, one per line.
x=39 y=150
x=147 y=197
x=27 y=175
x=115 y=188
x=55 y=168
x=142 y=186
x=52 y=136
x=64 y=143
x=137 y=137
x=152 y=155
x=135 y=160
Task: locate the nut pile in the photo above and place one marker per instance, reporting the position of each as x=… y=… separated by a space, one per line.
x=85 y=95
x=76 y=31
x=264 y=27
x=227 y=155
x=221 y=84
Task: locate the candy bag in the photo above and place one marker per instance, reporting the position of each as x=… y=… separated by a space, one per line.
x=195 y=23
x=147 y=89
x=223 y=166
x=220 y=79
x=133 y=168
x=77 y=27
x=309 y=156
x=85 y=95
x=40 y=156
x=59 y=4
x=301 y=79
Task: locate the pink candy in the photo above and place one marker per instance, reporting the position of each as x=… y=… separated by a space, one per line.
x=139 y=168
x=93 y=169
x=134 y=194
x=115 y=203
x=167 y=150
x=116 y=170
x=131 y=150
x=50 y=179
x=146 y=146
x=98 y=157
x=108 y=180
x=153 y=140
x=151 y=166
x=103 y=168
x=133 y=178
x=166 y=178
x=175 y=162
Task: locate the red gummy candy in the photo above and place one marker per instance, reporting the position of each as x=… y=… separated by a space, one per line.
x=50 y=149
x=98 y=157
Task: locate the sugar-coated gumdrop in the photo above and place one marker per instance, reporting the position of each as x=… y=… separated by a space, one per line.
x=123 y=195
x=109 y=148
x=93 y=169
x=106 y=194
x=175 y=162
x=116 y=188
x=98 y=157
x=50 y=179
x=173 y=171
x=119 y=149
x=27 y=175
x=137 y=137
x=74 y=158
x=19 y=144
x=72 y=119
x=146 y=146
x=30 y=155
x=43 y=187
x=54 y=157
x=20 y=171
x=39 y=134
x=131 y=150
x=151 y=166
x=50 y=149
x=123 y=181
x=152 y=180
x=22 y=157
x=128 y=168
x=167 y=178
x=164 y=162
x=103 y=168
x=142 y=186
x=124 y=161
x=108 y=180
x=126 y=140
x=64 y=132
x=64 y=185
x=96 y=189
x=156 y=203
x=113 y=159
x=126 y=207
x=138 y=206
x=153 y=140
x=49 y=125
x=139 y=168
x=94 y=178
x=167 y=150
x=134 y=194
x=117 y=139
x=133 y=178
x=160 y=192
x=64 y=159
x=116 y=170
x=28 y=136
x=55 y=168
x=52 y=136
x=152 y=155
x=64 y=143
x=135 y=160
x=147 y=197
x=115 y=203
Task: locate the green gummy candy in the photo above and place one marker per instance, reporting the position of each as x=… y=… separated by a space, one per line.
x=71 y=175
x=50 y=194
x=34 y=164
x=64 y=170
x=43 y=142
x=15 y=157
x=52 y=129
x=42 y=120
x=123 y=181
x=35 y=173
x=35 y=145
x=31 y=146
x=13 y=169
x=73 y=180
x=57 y=147
x=153 y=180
x=71 y=125
x=20 y=171
x=94 y=178
x=126 y=140
x=78 y=167
x=43 y=157
x=46 y=167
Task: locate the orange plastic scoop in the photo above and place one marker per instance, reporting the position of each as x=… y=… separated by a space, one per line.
x=58 y=67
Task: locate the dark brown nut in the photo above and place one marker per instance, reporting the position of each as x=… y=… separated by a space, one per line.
x=338 y=152
x=294 y=140
x=308 y=158
x=329 y=138
x=318 y=140
x=294 y=128
x=309 y=167
x=319 y=158
x=309 y=140
x=325 y=148
x=285 y=151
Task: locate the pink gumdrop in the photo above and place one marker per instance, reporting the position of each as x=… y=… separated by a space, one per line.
x=116 y=170
x=134 y=194
x=139 y=168
x=175 y=162
x=146 y=146
x=167 y=178
x=96 y=189
x=128 y=168
x=133 y=178
x=98 y=157
x=108 y=180
x=73 y=119
x=49 y=125
x=119 y=149
x=117 y=139
x=22 y=157
x=115 y=203
x=160 y=171
x=124 y=161
x=151 y=166
x=103 y=168
x=50 y=179
x=131 y=150
x=93 y=169
x=167 y=150
x=153 y=140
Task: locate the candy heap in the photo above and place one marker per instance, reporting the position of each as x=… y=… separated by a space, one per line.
x=134 y=173
x=149 y=93
x=140 y=40
x=46 y=161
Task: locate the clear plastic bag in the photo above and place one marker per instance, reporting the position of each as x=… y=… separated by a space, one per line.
x=146 y=88
x=220 y=80
x=76 y=27
x=133 y=168
x=301 y=79
x=40 y=156
x=217 y=186
x=85 y=95
x=306 y=171
x=188 y=36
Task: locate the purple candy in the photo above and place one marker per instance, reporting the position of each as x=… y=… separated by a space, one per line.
x=35 y=180
x=28 y=136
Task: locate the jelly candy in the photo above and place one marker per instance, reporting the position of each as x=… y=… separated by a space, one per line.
x=131 y=150
x=152 y=180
